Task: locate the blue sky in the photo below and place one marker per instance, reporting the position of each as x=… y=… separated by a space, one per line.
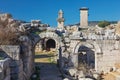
x=47 y=10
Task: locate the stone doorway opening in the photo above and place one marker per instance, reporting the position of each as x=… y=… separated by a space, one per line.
x=45 y=51
x=86 y=59
x=50 y=44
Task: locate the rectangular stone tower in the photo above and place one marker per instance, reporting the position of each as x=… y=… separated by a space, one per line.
x=83 y=17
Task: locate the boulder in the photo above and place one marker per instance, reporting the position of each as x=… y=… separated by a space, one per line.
x=72 y=71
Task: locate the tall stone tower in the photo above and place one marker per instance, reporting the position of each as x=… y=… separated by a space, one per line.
x=84 y=17
x=60 y=20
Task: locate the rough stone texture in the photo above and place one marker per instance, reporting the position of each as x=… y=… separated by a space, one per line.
x=21 y=64
x=60 y=20
x=51 y=35
x=105 y=64
x=101 y=62
x=4 y=69
x=16 y=70
x=84 y=18
x=27 y=56
x=118 y=29
x=12 y=51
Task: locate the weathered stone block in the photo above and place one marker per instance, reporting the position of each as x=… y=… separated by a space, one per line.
x=28 y=65
x=12 y=51
x=4 y=69
x=15 y=63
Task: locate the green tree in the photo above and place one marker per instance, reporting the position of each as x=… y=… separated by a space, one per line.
x=103 y=24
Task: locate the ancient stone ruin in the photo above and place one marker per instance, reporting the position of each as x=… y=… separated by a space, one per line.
x=82 y=50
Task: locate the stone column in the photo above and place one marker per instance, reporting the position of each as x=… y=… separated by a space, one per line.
x=84 y=17
x=60 y=20
x=96 y=61
x=75 y=59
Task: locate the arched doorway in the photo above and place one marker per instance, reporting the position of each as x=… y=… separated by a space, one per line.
x=86 y=58
x=50 y=44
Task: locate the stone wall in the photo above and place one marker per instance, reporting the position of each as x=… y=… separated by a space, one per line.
x=16 y=70
x=107 y=60
x=109 y=56
x=106 y=53
x=5 y=69
x=27 y=57
x=51 y=35
x=16 y=67
x=21 y=61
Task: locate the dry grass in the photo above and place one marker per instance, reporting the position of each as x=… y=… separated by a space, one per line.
x=45 y=59
x=109 y=77
x=45 y=52
x=8 y=30
x=7 y=36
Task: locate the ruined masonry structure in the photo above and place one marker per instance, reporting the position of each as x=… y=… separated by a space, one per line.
x=80 y=49
x=84 y=17
x=60 y=20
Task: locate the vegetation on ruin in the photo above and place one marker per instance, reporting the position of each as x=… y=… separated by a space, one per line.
x=48 y=59
x=8 y=31
x=103 y=24
x=7 y=36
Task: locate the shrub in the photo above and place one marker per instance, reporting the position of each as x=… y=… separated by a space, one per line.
x=8 y=30
x=103 y=24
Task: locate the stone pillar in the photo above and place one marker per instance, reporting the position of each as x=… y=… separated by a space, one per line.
x=60 y=20
x=96 y=61
x=83 y=17
x=60 y=57
x=28 y=60
x=75 y=59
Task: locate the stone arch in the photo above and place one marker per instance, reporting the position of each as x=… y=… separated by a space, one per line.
x=86 y=57
x=42 y=40
x=92 y=45
x=53 y=36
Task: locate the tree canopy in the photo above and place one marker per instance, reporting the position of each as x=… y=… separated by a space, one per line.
x=103 y=24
